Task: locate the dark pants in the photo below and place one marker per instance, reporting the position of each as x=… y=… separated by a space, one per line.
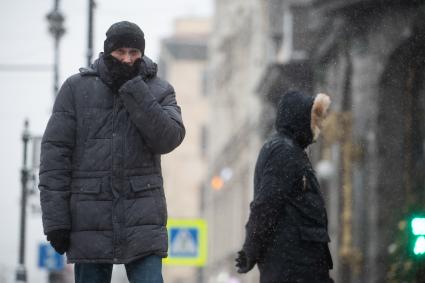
x=145 y=270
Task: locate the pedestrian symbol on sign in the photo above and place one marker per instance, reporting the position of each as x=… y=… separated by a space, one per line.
x=184 y=242
x=187 y=242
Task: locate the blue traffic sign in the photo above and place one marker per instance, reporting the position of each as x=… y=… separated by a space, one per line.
x=187 y=242
x=184 y=242
x=49 y=259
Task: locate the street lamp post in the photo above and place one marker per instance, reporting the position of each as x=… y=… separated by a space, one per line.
x=21 y=273
x=56 y=28
x=92 y=5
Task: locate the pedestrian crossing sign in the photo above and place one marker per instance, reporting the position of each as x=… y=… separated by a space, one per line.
x=187 y=242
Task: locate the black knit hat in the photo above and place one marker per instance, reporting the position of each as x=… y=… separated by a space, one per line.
x=124 y=34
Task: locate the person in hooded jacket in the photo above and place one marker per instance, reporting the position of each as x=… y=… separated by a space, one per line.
x=286 y=233
x=101 y=187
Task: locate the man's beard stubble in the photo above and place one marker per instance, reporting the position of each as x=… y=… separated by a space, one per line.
x=121 y=72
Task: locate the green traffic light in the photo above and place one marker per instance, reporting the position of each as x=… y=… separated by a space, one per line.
x=418 y=226
x=419 y=248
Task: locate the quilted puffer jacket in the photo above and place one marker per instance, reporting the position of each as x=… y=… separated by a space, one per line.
x=100 y=172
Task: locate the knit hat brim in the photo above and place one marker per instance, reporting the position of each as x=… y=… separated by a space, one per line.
x=124 y=40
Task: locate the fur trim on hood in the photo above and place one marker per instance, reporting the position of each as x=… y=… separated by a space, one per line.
x=300 y=116
x=319 y=111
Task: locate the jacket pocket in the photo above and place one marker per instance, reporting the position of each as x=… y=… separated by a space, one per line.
x=314 y=234
x=90 y=209
x=145 y=203
x=145 y=183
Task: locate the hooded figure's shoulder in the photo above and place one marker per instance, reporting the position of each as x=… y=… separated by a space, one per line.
x=279 y=143
x=281 y=153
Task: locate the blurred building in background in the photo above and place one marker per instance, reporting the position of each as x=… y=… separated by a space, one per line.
x=238 y=56
x=183 y=62
x=369 y=56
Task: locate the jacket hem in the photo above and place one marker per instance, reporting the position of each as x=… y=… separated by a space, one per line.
x=117 y=260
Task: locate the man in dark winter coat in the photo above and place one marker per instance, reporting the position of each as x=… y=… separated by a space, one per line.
x=286 y=234
x=101 y=187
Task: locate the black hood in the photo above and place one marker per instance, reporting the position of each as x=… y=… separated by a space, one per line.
x=294 y=117
x=148 y=69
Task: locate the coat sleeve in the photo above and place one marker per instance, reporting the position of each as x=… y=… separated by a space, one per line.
x=160 y=123
x=56 y=163
x=275 y=181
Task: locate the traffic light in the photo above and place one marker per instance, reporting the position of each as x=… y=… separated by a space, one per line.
x=417 y=225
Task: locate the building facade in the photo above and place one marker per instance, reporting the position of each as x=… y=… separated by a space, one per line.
x=238 y=56
x=368 y=56
x=183 y=62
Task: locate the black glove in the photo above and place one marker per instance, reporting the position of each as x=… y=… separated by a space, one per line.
x=136 y=84
x=243 y=262
x=59 y=239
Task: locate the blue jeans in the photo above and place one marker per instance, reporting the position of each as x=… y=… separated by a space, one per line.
x=145 y=270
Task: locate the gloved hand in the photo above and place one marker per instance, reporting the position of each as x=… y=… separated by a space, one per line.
x=59 y=239
x=135 y=85
x=243 y=262
x=137 y=79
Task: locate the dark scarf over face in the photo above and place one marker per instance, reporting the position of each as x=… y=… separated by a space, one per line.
x=120 y=72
